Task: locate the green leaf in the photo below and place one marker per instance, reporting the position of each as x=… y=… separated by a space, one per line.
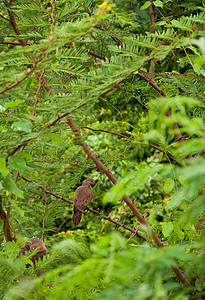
x=16 y=207
x=12 y=103
x=146 y=5
x=11 y=186
x=167 y=228
x=25 y=126
x=12 y=250
x=3 y=169
x=182 y=180
x=160 y=156
x=197 y=68
x=158 y=3
x=54 y=137
x=25 y=155
x=168 y=185
x=178 y=231
x=175 y=201
x=17 y=163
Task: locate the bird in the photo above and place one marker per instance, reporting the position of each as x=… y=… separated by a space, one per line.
x=83 y=196
x=29 y=246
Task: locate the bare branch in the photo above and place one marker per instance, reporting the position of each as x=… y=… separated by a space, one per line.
x=116 y=84
x=4 y=18
x=7 y=114
x=107 y=131
x=17 y=43
x=13 y=23
x=96 y=55
x=154 y=85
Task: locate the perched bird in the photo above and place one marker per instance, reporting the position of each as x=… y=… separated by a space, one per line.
x=83 y=196
x=29 y=246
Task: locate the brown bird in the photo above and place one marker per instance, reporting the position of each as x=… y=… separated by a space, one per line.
x=83 y=196
x=29 y=246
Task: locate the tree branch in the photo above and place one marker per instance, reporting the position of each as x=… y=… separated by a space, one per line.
x=154 y=85
x=13 y=24
x=116 y=84
x=22 y=79
x=8 y=232
x=4 y=18
x=96 y=55
x=17 y=43
x=107 y=131
x=7 y=114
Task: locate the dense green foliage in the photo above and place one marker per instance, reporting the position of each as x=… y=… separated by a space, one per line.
x=131 y=76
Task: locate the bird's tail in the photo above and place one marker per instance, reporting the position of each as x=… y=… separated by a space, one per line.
x=77 y=217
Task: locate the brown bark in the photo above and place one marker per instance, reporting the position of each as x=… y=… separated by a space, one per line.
x=8 y=232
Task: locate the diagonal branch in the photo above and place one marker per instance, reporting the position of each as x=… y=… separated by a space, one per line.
x=22 y=79
x=91 y=210
x=154 y=85
x=116 y=84
x=13 y=23
x=129 y=202
x=4 y=18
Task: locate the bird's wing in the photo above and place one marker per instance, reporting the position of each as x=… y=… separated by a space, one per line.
x=83 y=196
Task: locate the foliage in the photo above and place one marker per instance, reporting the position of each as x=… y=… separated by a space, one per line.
x=131 y=76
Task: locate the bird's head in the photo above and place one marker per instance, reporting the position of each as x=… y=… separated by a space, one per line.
x=89 y=181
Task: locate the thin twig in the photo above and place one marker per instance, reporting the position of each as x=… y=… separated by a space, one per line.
x=61 y=225
x=107 y=131
x=116 y=84
x=4 y=19
x=37 y=92
x=7 y=114
x=22 y=79
x=12 y=20
x=128 y=137
x=17 y=43
x=154 y=85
